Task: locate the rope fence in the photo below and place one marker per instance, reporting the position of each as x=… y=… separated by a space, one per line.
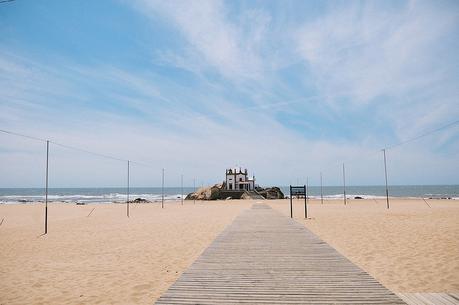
x=129 y=162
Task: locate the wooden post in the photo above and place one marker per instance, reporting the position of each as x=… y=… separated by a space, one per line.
x=291 y=205
x=306 y=200
x=321 y=190
x=127 y=191
x=344 y=185
x=181 y=188
x=385 y=173
x=162 y=190
x=46 y=188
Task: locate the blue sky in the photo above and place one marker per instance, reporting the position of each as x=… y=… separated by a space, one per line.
x=285 y=88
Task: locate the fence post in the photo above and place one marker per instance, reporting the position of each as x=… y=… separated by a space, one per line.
x=46 y=187
x=291 y=206
x=344 y=184
x=181 y=188
x=321 y=190
x=385 y=173
x=162 y=190
x=194 y=189
x=127 y=191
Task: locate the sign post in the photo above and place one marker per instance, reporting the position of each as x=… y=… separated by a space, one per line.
x=299 y=191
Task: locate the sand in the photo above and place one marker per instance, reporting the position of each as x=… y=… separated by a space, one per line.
x=105 y=258
x=409 y=248
x=109 y=259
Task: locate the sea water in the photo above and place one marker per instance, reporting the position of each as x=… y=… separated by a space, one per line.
x=379 y=191
x=90 y=195
x=154 y=194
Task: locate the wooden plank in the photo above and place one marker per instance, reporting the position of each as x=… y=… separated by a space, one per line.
x=447 y=299
x=264 y=257
x=429 y=298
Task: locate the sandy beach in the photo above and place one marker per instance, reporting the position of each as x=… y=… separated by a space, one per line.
x=109 y=259
x=409 y=248
x=105 y=258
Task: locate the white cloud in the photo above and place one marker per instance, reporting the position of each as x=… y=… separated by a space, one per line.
x=401 y=58
x=213 y=40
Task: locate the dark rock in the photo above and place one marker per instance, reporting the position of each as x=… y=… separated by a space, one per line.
x=271 y=192
x=358 y=197
x=139 y=200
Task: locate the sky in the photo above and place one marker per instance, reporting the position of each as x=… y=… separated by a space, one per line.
x=287 y=89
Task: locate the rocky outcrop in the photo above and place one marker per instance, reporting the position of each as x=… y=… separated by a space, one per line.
x=217 y=191
x=271 y=192
x=206 y=193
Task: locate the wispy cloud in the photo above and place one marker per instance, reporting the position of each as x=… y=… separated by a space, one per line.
x=397 y=57
x=212 y=39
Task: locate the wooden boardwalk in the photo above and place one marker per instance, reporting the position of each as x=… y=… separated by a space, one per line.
x=264 y=257
x=430 y=298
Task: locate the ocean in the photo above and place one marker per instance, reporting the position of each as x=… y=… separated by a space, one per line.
x=118 y=194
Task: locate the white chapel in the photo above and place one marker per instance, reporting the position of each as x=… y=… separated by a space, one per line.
x=238 y=180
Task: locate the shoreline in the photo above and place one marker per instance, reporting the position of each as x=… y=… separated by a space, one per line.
x=331 y=198
x=118 y=194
